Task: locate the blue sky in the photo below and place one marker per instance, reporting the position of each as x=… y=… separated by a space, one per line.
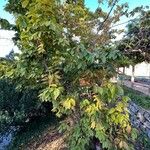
x=4 y=14
x=92 y=4
x=7 y=45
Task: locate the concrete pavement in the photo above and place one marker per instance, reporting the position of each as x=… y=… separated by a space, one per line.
x=144 y=88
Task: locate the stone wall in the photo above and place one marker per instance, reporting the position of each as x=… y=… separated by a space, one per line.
x=140 y=118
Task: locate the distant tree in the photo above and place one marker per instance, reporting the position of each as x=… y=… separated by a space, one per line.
x=136 y=43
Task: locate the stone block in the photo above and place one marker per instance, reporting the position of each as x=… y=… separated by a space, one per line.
x=147 y=116
x=140 y=116
x=147 y=124
x=133 y=109
x=148 y=132
x=136 y=123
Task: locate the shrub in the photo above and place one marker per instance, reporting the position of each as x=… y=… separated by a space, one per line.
x=15 y=106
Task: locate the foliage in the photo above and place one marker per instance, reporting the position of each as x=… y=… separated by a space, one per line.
x=138 y=97
x=16 y=107
x=136 y=43
x=4 y=24
x=73 y=74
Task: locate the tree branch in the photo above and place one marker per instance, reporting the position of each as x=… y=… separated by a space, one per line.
x=102 y=24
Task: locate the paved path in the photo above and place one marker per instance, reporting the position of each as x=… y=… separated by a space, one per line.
x=144 y=88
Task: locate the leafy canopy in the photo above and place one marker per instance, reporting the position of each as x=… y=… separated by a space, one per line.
x=67 y=52
x=136 y=43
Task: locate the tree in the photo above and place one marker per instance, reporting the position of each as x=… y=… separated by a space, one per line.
x=136 y=45
x=73 y=74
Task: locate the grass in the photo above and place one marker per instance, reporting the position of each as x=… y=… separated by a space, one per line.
x=33 y=131
x=138 y=97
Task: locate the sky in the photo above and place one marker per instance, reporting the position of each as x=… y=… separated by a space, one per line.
x=5 y=36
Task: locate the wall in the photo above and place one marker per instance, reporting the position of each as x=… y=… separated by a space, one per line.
x=140 y=118
x=142 y=69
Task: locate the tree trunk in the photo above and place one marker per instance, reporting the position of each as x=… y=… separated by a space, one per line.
x=123 y=78
x=123 y=70
x=132 y=76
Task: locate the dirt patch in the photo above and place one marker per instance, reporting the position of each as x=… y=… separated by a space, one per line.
x=50 y=140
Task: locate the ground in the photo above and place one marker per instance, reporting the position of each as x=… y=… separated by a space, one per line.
x=141 y=87
x=50 y=140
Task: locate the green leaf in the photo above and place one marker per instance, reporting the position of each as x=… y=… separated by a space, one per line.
x=56 y=93
x=113 y=91
x=134 y=134
x=120 y=90
x=111 y=111
x=97 y=89
x=84 y=103
x=106 y=144
x=125 y=98
x=25 y=3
